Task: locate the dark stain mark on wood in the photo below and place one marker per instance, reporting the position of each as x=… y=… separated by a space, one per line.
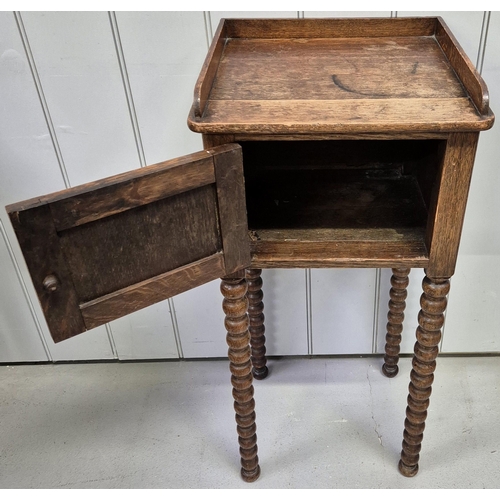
x=254 y=235
x=341 y=86
x=414 y=69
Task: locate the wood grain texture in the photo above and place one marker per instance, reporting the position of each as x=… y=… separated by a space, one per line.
x=235 y=307
x=117 y=251
x=104 y=249
x=208 y=71
x=352 y=253
x=140 y=190
x=346 y=116
x=45 y=259
x=334 y=69
x=430 y=321
x=331 y=76
x=150 y=291
x=171 y=169
x=232 y=208
x=395 y=318
x=466 y=71
x=256 y=326
x=447 y=210
x=329 y=28
x=214 y=140
x=335 y=137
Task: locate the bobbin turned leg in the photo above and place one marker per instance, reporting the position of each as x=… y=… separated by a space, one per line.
x=235 y=306
x=395 y=317
x=430 y=319
x=256 y=328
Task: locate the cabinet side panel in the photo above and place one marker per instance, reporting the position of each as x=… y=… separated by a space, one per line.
x=232 y=209
x=447 y=214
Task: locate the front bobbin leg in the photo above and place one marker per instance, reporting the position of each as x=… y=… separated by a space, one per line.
x=430 y=320
x=395 y=317
x=257 y=328
x=235 y=306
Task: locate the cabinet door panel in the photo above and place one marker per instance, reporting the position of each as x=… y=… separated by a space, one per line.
x=105 y=249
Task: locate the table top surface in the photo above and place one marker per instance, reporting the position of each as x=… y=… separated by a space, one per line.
x=326 y=78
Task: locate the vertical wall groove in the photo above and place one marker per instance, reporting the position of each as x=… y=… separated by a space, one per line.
x=482 y=41
x=41 y=96
x=376 y=309
x=208 y=26
x=126 y=87
x=140 y=153
x=309 y=319
x=175 y=326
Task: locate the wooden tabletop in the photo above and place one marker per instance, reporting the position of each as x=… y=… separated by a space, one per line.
x=338 y=76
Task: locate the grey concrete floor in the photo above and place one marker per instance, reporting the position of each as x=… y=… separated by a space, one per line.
x=321 y=423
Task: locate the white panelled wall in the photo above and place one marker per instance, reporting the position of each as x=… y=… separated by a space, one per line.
x=85 y=95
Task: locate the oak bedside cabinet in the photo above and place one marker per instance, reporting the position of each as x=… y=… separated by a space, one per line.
x=328 y=143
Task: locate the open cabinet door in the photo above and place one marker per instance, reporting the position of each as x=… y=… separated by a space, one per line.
x=102 y=250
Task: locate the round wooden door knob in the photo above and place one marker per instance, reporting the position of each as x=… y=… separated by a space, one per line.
x=50 y=283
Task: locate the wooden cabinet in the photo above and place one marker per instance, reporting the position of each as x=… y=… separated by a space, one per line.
x=329 y=143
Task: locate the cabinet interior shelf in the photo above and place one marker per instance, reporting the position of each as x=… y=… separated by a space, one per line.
x=313 y=204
